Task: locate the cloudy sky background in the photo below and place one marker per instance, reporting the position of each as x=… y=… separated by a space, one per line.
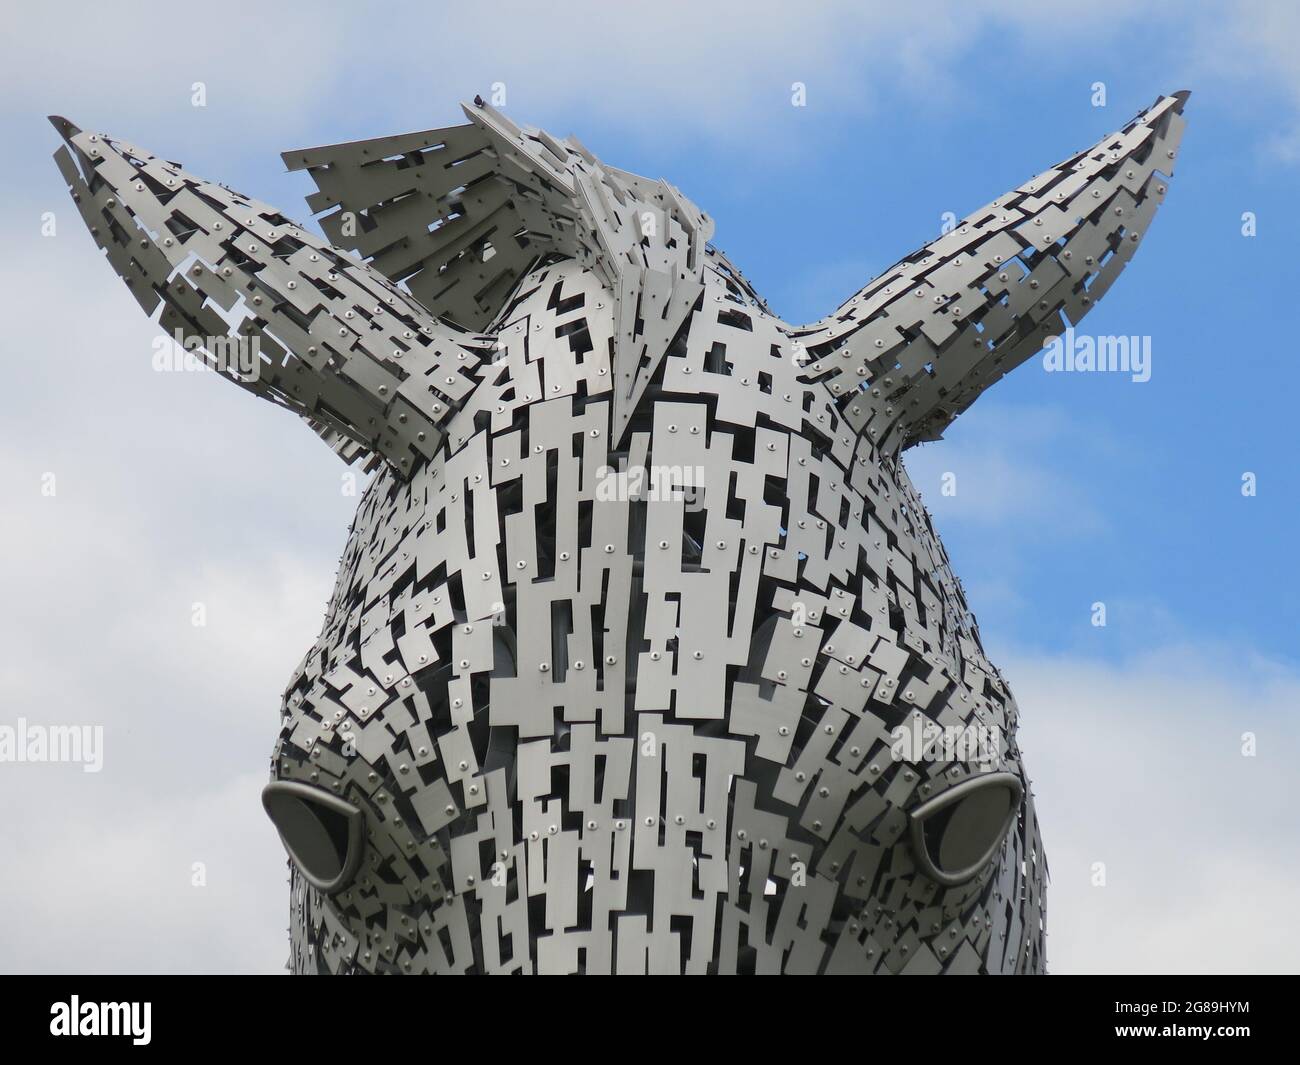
x=176 y=488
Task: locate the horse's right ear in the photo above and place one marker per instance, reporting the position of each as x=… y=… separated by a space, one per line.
x=272 y=307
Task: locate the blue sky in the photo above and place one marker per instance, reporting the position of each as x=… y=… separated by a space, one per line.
x=1072 y=488
x=1143 y=480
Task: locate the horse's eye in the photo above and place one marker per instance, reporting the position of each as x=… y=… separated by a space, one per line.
x=957 y=833
x=321 y=832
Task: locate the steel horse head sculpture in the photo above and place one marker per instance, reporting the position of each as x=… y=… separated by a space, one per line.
x=643 y=645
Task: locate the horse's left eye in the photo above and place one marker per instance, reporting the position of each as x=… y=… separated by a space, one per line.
x=956 y=834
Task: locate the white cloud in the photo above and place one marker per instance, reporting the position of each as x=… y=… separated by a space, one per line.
x=681 y=67
x=1139 y=766
x=681 y=73
x=96 y=885
x=176 y=488
x=1251 y=49
x=172 y=488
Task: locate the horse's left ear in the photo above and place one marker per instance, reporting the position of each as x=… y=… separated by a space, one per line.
x=913 y=349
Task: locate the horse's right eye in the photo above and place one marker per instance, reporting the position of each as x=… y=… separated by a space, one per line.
x=321 y=832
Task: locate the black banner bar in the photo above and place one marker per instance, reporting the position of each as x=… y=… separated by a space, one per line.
x=236 y=1013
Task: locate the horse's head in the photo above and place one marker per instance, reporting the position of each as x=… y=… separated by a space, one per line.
x=551 y=724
